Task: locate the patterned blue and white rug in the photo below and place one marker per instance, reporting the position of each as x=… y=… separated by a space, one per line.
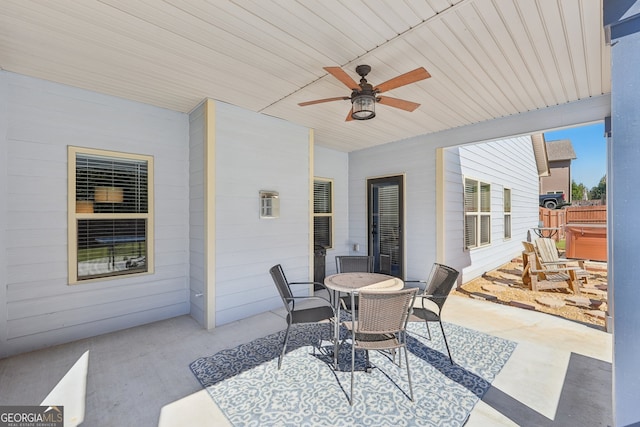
x=246 y=384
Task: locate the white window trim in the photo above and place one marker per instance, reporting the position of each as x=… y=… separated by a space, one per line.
x=73 y=216
x=478 y=214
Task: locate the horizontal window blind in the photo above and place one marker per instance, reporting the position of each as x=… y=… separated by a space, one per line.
x=388 y=221
x=470 y=195
x=322 y=231
x=322 y=213
x=322 y=197
x=109 y=247
x=485 y=229
x=507 y=213
x=470 y=231
x=113 y=185
x=507 y=226
x=485 y=197
x=507 y=200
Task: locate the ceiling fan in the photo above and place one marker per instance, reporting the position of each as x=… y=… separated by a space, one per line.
x=364 y=96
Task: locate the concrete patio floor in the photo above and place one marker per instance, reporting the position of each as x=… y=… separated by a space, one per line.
x=558 y=375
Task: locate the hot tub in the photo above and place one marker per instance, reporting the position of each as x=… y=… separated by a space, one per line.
x=586 y=241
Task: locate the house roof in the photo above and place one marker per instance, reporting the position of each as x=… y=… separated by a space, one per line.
x=540 y=154
x=561 y=149
x=487 y=59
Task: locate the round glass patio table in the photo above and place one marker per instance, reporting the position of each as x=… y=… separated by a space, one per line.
x=352 y=283
x=548 y=232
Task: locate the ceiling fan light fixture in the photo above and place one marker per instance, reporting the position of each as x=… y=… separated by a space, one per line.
x=364 y=95
x=364 y=107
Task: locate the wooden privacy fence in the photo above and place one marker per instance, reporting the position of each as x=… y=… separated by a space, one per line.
x=553 y=218
x=559 y=218
x=587 y=215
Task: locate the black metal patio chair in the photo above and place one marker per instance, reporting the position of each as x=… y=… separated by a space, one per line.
x=297 y=315
x=433 y=296
x=352 y=264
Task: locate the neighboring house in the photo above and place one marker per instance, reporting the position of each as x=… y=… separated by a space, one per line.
x=560 y=154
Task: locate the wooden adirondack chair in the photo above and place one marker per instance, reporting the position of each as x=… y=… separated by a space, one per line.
x=538 y=277
x=548 y=254
x=526 y=270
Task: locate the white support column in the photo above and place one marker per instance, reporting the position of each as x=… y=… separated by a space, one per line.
x=210 y=213
x=623 y=18
x=311 y=177
x=3 y=214
x=440 y=207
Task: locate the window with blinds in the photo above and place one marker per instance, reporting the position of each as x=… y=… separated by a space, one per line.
x=507 y=212
x=477 y=213
x=110 y=215
x=323 y=213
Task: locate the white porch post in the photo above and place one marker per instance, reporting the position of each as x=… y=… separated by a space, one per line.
x=623 y=19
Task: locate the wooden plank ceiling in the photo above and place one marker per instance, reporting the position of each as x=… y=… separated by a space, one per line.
x=487 y=58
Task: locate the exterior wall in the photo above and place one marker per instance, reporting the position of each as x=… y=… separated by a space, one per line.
x=417 y=160
x=256 y=152
x=558 y=180
x=508 y=163
x=335 y=165
x=41 y=120
x=196 y=215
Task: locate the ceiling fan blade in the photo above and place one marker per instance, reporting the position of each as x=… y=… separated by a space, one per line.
x=398 y=103
x=404 y=79
x=319 y=101
x=341 y=75
x=349 y=118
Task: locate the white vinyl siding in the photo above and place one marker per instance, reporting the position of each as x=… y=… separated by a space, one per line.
x=43 y=119
x=503 y=163
x=269 y=154
x=416 y=162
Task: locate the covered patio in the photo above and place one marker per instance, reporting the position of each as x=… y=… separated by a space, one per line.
x=205 y=96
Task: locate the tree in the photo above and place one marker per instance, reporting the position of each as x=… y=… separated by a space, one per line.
x=577 y=191
x=600 y=191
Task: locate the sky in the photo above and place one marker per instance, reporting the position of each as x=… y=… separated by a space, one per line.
x=590 y=146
